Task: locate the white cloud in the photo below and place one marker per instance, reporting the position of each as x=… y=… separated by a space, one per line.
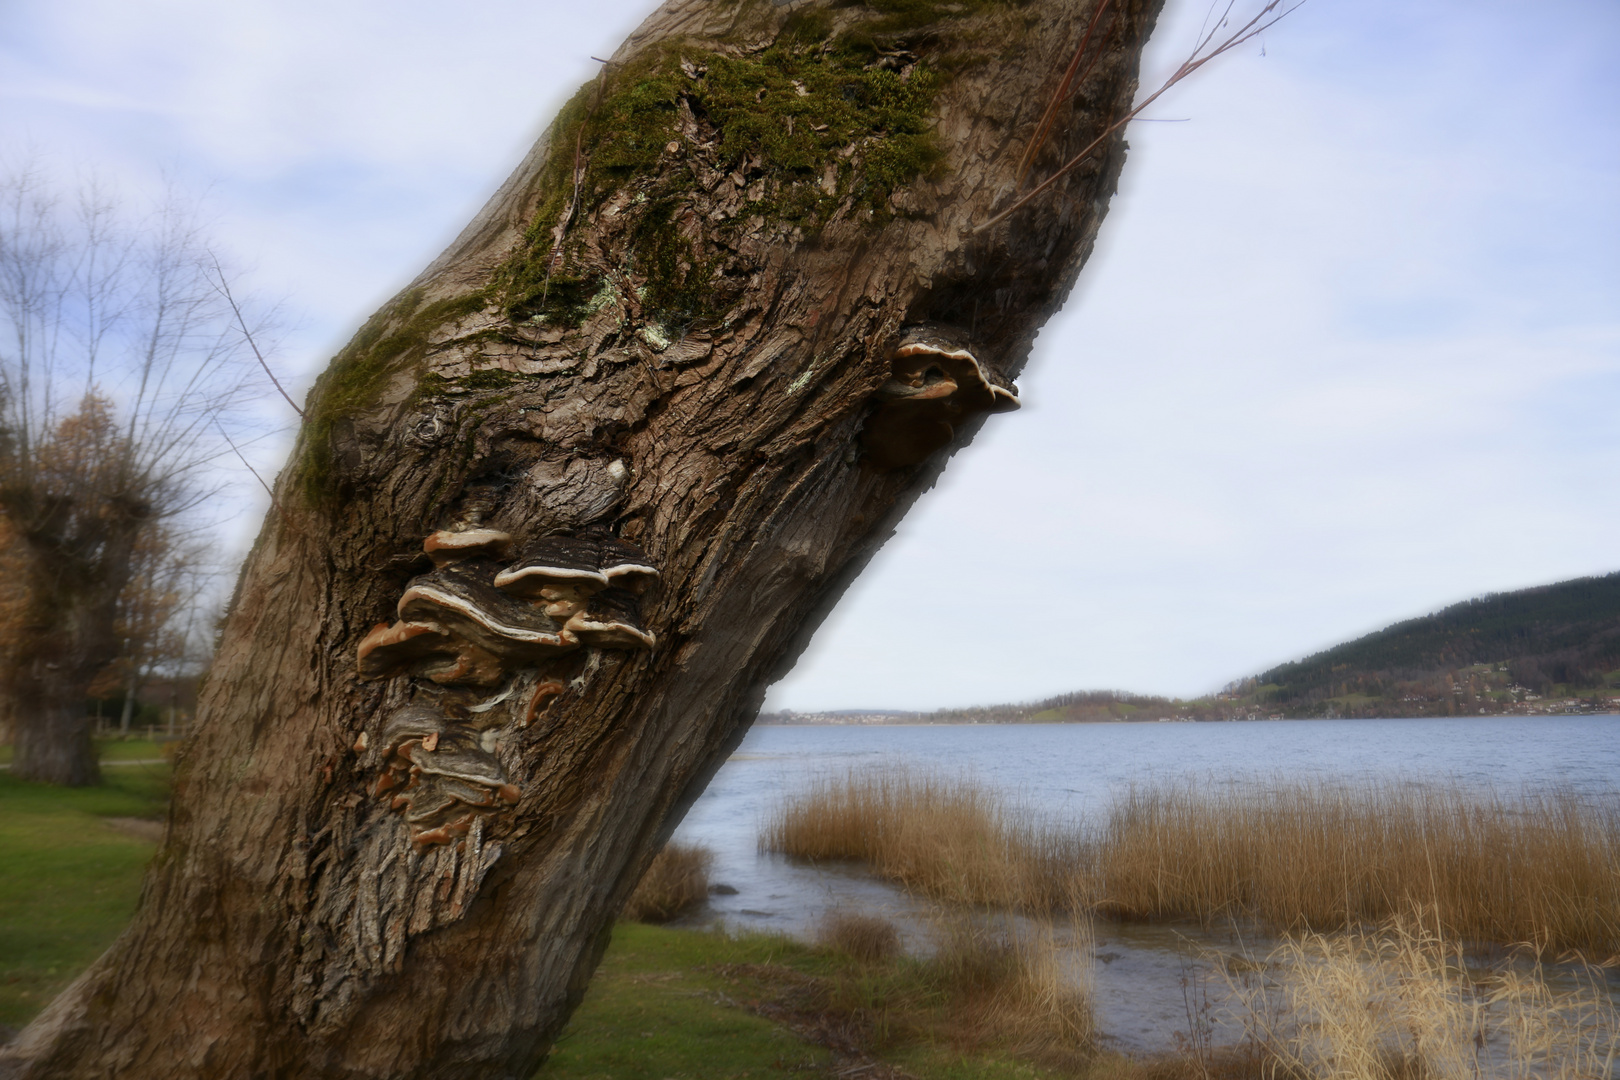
x=1348 y=349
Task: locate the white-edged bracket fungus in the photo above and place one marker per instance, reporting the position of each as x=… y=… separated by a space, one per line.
x=429 y=650
x=611 y=620
x=453 y=545
x=933 y=388
x=625 y=565
x=472 y=622
x=460 y=599
x=553 y=561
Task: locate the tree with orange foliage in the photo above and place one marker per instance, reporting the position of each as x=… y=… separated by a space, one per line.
x=78 y=519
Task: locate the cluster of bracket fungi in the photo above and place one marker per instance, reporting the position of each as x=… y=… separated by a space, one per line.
x=493 y=638
x=933 y=387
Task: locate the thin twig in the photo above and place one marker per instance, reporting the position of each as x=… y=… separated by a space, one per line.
x=560 y=233
x=245 y=461
x=1195 y=60
x=1049 y=117
x=224 y=288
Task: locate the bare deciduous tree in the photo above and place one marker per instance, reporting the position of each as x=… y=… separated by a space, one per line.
x=119 y=361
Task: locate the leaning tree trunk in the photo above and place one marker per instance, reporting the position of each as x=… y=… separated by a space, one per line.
x=651 y=412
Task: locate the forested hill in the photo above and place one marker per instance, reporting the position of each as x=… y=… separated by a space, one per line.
x=1553 y=639
x=1551 y=649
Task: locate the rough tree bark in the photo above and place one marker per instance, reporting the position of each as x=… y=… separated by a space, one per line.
x=673 y=339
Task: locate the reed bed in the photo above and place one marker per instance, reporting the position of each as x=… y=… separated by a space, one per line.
x=1399 y=1003
x=1539 y=867
x=946 y=837
x=676 y=881
x=864 y=938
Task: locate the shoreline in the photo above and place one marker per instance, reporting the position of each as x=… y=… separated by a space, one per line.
x=1157 y=720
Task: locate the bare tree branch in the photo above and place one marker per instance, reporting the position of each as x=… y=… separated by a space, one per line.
x=250 y=468
x=222 y=283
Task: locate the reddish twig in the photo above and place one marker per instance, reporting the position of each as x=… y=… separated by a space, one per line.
x=1195 y=60
x=1061 y=94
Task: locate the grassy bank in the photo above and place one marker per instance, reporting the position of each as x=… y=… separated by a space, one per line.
x=116 y=751
x=1540 y=867
x=664 y=1004
x=991 y=1001
x=694 y=1004
x=72 y=860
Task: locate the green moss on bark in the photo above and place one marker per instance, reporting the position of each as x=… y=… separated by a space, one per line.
x=808 y=126
x=359 y=373
x=831 y=118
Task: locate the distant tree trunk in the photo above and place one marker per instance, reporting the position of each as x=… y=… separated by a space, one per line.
x=674 y=338
x=73 y=530
x=64 y=638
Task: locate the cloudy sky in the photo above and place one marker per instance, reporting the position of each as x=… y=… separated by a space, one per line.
x=1349 y=349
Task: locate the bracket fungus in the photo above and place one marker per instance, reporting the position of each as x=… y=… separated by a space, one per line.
x=471 y=623
x=611 y=619
x=461 y=599
x=625 y=565
x=550 y=561
x=425 y=649
x=438 y=776
x=933 y=387
x=453 y=545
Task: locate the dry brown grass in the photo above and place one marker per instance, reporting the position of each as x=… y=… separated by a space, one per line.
x=1008 y=984
x=1540 y=868
x=987 y=982
x=865 y=938
x=1399 y=1002
x=677 y=881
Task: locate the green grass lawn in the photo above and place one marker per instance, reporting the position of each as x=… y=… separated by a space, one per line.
x=653 y=1011
x=113 y=750
x=678 y=1005
x=69 y=880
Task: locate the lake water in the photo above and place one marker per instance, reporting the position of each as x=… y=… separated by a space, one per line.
x=1071 y=770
